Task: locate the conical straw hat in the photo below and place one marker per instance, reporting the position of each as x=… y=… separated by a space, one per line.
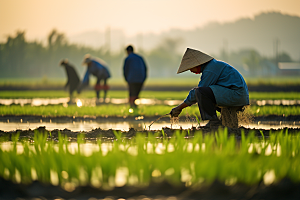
x=193 y=58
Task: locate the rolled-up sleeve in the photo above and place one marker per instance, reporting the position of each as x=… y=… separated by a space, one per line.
x=191 y=98
x=207 y=78
x=86 y=79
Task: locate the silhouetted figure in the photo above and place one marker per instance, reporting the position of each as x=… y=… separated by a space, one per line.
x=98 y=68
x=73 y=79
x=135 y=74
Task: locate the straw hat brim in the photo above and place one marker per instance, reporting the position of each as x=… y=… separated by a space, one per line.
x=193 y=58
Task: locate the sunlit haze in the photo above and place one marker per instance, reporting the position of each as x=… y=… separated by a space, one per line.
x=71 y=17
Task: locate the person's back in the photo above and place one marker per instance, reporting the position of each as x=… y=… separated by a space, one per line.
x=73 y=81
x=135 y=74
x=223 y=74
x=134 y=69
x=72 y=75
x=220 y=77
x=100 y=70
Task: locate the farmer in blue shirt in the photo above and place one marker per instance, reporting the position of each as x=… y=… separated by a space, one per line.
x=99 y=69
x=135 y=73
x=220 y=85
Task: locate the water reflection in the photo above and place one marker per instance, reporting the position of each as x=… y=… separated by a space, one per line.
x=141 y=101
x=84 y=102
x=138 y=125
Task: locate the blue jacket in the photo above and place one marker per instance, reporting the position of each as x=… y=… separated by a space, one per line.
x=227 y=84
x=98 y=70
x=135 y=69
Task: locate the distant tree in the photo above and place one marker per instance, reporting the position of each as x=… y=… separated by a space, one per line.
x=253 y=60
x=164 y=58
x=13 y=54
x=284 y=57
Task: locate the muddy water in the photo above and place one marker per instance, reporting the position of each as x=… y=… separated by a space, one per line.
x=90 y=125
x=138 y=125
x=84 y=102
x=142 y=101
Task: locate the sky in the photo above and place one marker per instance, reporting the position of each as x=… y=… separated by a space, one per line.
x=39 y=17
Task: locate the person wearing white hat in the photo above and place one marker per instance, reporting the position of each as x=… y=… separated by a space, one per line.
x=220 y=85
x=98 y=68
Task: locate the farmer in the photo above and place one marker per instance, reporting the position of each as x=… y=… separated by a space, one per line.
x=73 y=79
x=220 y=85
x=135 y=74
x=99 y=69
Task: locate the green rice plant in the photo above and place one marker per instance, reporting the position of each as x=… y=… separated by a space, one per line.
x=139 y=160
x=274 y=110
x=121 y=110
x=274 y=95
x=274 y=80
x=161 y=95
x=190 y=81
x=197 y=120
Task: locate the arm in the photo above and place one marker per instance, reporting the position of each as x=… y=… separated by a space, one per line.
x=125 y=69
x=177 y=110
x=208 y=78
x=68 y=76
x=85 y=81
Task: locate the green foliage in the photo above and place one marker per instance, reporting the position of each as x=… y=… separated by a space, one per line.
x=20 y=58
x=274 y=110
x=123 y=110
x=148 y=157
x=161 y=95
x=274 y=95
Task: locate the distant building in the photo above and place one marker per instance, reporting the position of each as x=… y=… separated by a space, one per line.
x=289 y=68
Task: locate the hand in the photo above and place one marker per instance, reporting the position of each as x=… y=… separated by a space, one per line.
x=175 y=112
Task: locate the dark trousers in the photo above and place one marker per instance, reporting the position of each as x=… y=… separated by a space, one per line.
x=206 y=103
x=134 y=91
x=104 y=87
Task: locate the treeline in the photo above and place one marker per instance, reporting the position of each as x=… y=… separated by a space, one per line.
x=20 y=58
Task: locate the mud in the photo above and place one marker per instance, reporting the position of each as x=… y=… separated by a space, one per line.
x=66 y=119
x=108 y=135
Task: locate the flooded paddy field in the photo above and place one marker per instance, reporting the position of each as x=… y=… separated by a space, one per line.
x=141 y=101
x=139 y=123
x=157 y=188
x=95 y=128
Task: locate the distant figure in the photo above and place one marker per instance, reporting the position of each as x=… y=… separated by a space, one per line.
x=73 y=79
x=99 y=69
x=135 y=73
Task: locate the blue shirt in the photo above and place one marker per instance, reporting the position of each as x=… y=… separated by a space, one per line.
x=135 y=69
x=227 y=84
x=98 y=70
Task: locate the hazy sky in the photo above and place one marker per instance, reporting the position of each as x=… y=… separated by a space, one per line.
x=39 y=17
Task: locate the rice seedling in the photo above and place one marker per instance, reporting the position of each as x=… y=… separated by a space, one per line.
x=274 y=110
x=121 y=110
x=151 y=157
x=161 y=95
x=274 y=95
